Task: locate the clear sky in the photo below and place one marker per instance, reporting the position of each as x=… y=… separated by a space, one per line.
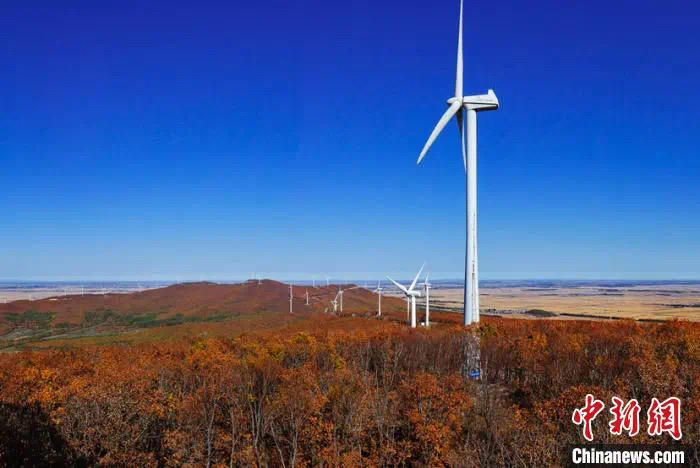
x=167 y=139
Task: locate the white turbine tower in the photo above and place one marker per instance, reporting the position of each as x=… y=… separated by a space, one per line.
x=379 y=293
x=458 y=104
x=411 y=294
x=290 y=299
x=307 y=297
x=426 y=288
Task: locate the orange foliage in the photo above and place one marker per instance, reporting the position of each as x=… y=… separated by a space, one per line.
x=377 y=394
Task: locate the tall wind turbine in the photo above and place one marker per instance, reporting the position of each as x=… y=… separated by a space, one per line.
x=290 y=299
x=426 y=288
x=458 y=104
x=411 y=294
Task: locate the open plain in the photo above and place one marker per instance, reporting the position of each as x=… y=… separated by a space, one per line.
x=634 y=301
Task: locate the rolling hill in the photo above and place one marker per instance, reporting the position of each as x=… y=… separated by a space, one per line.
x=78 y=315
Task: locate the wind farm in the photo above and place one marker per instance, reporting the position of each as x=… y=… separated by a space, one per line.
x=227 y=241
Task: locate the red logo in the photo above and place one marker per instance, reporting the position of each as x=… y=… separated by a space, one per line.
x=662 y=417
x=587 y=414
x=665 y=417
x=624 y=417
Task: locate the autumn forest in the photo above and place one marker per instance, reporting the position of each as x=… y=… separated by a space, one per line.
x=342 y=391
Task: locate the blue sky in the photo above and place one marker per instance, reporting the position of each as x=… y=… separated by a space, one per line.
x=188 y=140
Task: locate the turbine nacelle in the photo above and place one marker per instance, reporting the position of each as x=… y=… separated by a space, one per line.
x=481 y=102
x=477 y=102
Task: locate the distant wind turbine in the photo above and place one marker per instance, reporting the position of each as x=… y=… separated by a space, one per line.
x=334 y=302
x=379 y=302
x=290 y=299
x=411 y=294
x=457 y=105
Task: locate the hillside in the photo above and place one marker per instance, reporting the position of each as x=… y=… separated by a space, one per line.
x=89 y=315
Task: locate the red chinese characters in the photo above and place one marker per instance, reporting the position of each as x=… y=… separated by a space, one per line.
x=665 y=417
x=662 y=417
x=587 y=414
x=625 y=417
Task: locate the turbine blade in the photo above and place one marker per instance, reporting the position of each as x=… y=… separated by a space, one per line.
x=460 y=64
x=415 y=280
x=438 y=128
x=460 y=124
x=401 y=287
x=427 y=275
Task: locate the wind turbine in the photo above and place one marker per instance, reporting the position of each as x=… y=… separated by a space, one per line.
x=290 y=299
x=458 y=104
x=426 y=288
x=411 y=294
x=307 y=297
x=379 y=303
